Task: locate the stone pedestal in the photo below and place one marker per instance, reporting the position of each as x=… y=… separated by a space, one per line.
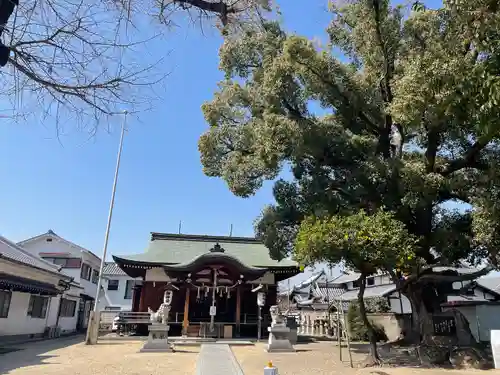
x=279 y=339
x=157 y=339
x=291 y=323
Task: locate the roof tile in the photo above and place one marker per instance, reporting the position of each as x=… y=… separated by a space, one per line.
x=176 y=249
x=112 y=269
x=370 y=292
x=10 y=250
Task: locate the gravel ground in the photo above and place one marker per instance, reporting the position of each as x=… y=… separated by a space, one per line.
x=71 y=357
x=322 y=358
x=116 y=357
x=318 y=358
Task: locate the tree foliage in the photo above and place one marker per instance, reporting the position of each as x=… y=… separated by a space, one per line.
x=431 y=74
x=377 y=305
x=365 y=243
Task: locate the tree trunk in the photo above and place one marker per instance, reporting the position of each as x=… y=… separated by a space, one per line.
x=421 y=319
x=369 y=328
x=414 y=335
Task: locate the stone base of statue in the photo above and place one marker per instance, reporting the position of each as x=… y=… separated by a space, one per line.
x=279 y=339
x=291 y=323
x=157 y=339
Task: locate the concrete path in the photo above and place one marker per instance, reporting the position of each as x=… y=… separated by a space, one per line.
x=217 y=359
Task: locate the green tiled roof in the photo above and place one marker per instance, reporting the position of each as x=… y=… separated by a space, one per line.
x=181 y=248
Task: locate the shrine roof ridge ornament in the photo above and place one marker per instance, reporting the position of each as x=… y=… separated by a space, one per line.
x=155 y=236
x=217 y=248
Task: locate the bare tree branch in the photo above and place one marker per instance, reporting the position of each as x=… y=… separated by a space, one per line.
x=74 y=59
x=231 y=13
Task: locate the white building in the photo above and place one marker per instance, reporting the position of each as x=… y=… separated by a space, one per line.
x=75 y=261
x=381 y=286
x=318 y=292
x=117 y=289
x=377 y=286
x=35 y=298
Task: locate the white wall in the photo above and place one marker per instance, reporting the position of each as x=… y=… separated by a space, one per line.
x=479 y=294
x=383 y=280
x=487 y=320
x=40 y=245
x=89 y=288
x=67 y=324
x=481 y=318
x=377 y=280
x=18 y=322
x=115 y=298
x=395 y=303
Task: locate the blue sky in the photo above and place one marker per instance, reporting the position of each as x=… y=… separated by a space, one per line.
x=65 y=184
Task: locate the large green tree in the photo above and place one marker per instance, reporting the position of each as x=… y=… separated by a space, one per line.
x=410 y=124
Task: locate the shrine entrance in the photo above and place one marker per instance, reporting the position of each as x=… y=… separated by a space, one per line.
x=215 y=283
x=213 y=294
x=200 y=303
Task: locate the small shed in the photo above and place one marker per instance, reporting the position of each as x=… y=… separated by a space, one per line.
x=482 y=316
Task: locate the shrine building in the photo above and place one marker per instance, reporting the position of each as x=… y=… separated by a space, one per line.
x=203 y=272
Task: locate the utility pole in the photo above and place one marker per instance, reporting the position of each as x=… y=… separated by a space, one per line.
x=93 y=326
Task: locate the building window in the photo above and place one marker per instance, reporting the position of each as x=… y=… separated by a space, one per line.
x=113 y=285
x=5 y=297
x=65 y=262
x=38 y=307
x=370 y=281
x=128 y=289
x=68 y=308
x=95 y=276
x=85 y=272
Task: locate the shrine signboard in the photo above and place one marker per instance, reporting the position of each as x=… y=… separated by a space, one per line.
x=444 y=325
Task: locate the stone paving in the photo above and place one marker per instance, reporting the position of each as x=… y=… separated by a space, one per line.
x=217 y=359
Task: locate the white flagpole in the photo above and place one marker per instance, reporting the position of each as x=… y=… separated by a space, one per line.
x=93 y=325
